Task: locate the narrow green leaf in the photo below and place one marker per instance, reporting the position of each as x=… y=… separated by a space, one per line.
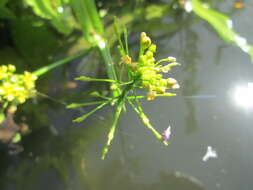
x=49 y=9
x=137 y=108
x=83 y=117
x=223 y=25
x=77 y=105
x=88 y=79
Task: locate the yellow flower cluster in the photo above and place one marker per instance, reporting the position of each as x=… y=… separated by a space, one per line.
x=16 y=88
x=147 y=70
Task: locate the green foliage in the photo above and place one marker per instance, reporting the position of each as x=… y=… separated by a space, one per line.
x=16 y=138
x=86 y=14
x=5 y=12
x=34 y=41
x=55 y=11
x=143 y=74
x=222 y=24
x=2 y=116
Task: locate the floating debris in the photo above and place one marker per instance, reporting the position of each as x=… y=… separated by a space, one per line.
x=210 y=153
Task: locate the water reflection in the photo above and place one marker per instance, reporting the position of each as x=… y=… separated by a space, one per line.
x=243 y=95
x=190 y=87
x=122 y=176
x=58 y=160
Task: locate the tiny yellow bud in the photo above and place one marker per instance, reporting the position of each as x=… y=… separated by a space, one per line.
x=175 y=86
x=126 y=59
x=134 y=66
x=143 y=35
x=149 y=54
x=11 y=68
x=171 y=81
x=172 y=59
x=151 y=95
x=114 y=86
x=152 y=48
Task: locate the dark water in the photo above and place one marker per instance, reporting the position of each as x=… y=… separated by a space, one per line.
x=60 y=155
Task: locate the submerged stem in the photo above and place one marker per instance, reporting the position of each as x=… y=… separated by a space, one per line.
x=47 y=68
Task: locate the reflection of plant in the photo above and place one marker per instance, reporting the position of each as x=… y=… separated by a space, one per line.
x=220 y=22
x=143 y=74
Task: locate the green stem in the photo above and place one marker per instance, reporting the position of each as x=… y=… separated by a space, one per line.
x=112 y=130
x=47 y=68
x=145 y=120
x=105 y=53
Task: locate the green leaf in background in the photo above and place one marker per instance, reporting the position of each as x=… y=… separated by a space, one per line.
x=55 y=11
x=5 y=12
x=87 y=16
x=222 y=24
x=16 y=138
x=2 y=117
x=35 y=43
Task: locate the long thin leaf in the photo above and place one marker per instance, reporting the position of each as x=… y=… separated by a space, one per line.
x=146 y=121
x=78 y=105
x=83 y=117
x=88 y=79
x=222 y=24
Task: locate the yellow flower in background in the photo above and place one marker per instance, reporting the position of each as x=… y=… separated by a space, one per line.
x=16 y=88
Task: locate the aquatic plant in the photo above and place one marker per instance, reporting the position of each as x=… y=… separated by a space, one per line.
x=143 y=73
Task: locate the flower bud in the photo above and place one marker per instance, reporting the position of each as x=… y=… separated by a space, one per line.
x=175 y=86
x=152 y=48
x=171 y=81
x=145 y=40
x=134 y=66
x=11 y=68
x=163 y=82
x=149 y=54
x=151 y=95
x=126 y=60
x=160 y=90
x=172 y=59
x=143 y=58
x=143 y=35
x=114 y=87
